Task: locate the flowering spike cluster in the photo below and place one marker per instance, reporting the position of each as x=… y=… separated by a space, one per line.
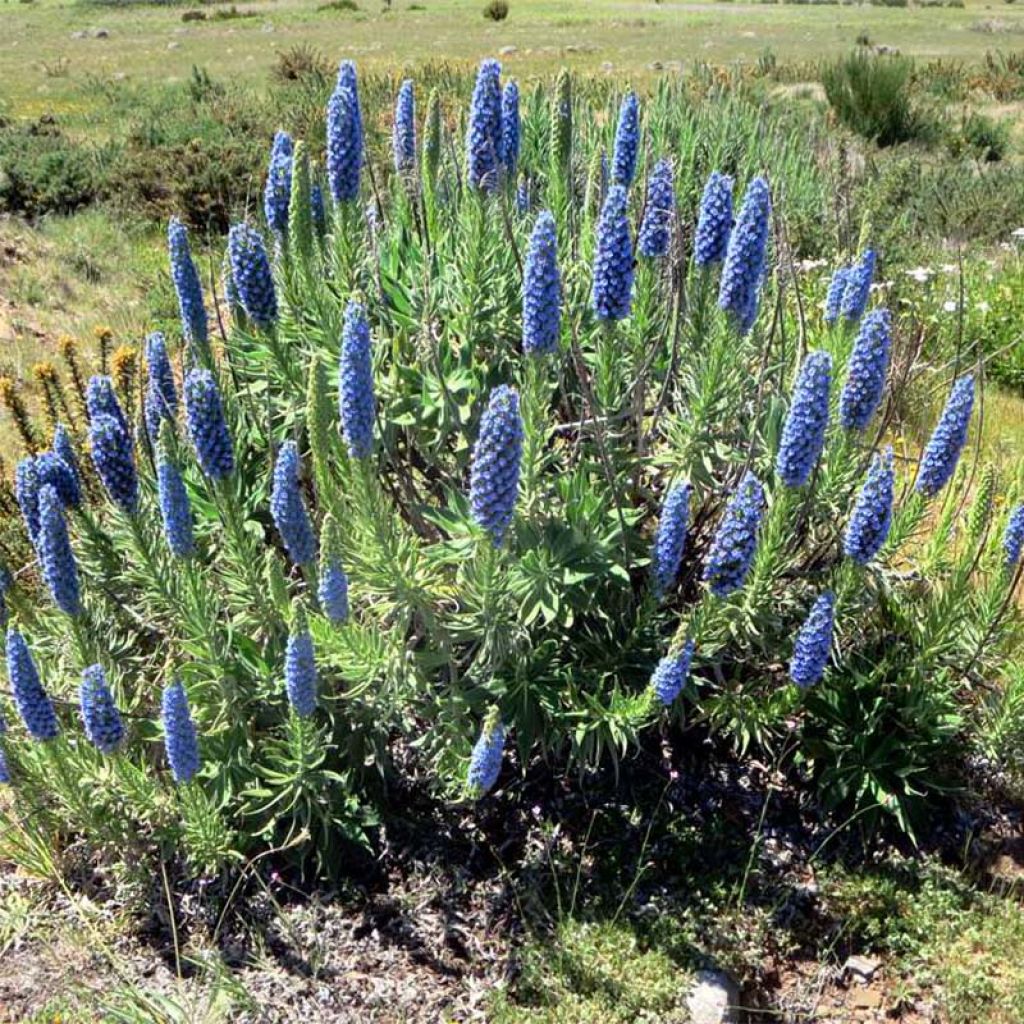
x=432 y=138
x=735 y=541
x=288 y=509
x=834 y=295
x=300 y=677
x=494 y=475
x=180 y=740
x=813 y=643
x=30 y=698
x=356 y=403
x=204 y=417
x=175 y=510
x=871 y=518
x=714 y=221
x=344 y=137
x=510 y=129
x=523 y=196
x=26 y=493
x=101 y=400
x=161 y=394
x=113 y=457
x=317 y=210
x=561 y=123
x=865 y=374
x=5 y=771
x=186 y=284
x=54 y=471
x=1013 y=537
x=542 y=289
x=227 y=280
x=858 y=287
x=56 y=559
x=100 y=718
x=670 y=676
x=278 y=190
x=250 y=270
x=745 y=257
x=659 y=205
x=627 y=141
x=64 y=450
x=942 y=452
x=403 y=130
x=333 y=591
x=483 y=139
x=611 y=295
x=670 y=539
x=300 y=206
x=803 y=435
x=485 y=761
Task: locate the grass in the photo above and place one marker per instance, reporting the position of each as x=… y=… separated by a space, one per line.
x=43 y=69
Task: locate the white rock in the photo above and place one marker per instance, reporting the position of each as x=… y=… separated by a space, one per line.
x=714 y=999
x=507 y=51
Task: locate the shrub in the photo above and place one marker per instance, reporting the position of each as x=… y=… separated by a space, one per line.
x=496 y=10
x=870 y=95
x=301 y=62
x=981 y=137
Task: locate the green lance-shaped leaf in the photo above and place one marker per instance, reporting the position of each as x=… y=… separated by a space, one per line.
x=432 y=139
x=300 y=210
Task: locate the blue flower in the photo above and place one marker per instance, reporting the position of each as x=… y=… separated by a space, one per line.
x=186 y=284
x=344 y=137
x=278 y=190
x=510 y=129
x=865 y=374
x=333 y=591
x=494 y=474
x=735 y=542
x=872 y=512
x=858 y=287
x=250 y=270
x=403 y=134
x=670 y=540
x=100 y=718
x=56 y=559
x=55 y=471
x=485 y=761
x=670 y=676
x=101 y=400
x=542 y=289
x=300 y=676
x=745 y=258
x=611 y=295
x=356 y=403
x=803 y=435
x=714 y=223
x=288 y=509
x=180 y=739
x=175 y=510
x=64 y=449
x=942 y=452
x=113 y=457
x=161 y=393
x=5 y=771
x=30 y=698
x=813 y=643
x=659 y=205
x=1013 y=537
x=483 y=139
x=317 y=211
x=523 y=196
x=834 y=295
x=627 y=141
x=204 y=417
x=26 y=493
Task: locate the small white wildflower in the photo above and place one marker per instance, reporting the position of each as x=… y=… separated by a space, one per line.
x=921 y=274
x=950 y=306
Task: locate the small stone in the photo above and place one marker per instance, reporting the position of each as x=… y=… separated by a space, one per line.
x=119 y=76
x=174 y=45
x=507 y=51
x=713 y=999
x=862 y=967
x=656 y=65
x=268 y=26
x=101 y=33
x=607 y=65
x=80 y=34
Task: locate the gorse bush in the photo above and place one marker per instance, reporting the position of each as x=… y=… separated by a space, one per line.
x=871 y=96
x=449 y=484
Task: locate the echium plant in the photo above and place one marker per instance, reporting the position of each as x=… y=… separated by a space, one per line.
x=403 y=132
x=803 y=435
x=612 y=291
x=278 y=189
x=345 y=137
x=186 y=284
x=627 y=141
x=745 y=258
x=542 y=289
x=714 y=223
x=659 y=208
x=483 y=139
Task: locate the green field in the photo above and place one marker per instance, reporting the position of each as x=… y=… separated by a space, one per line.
x=42 y=66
